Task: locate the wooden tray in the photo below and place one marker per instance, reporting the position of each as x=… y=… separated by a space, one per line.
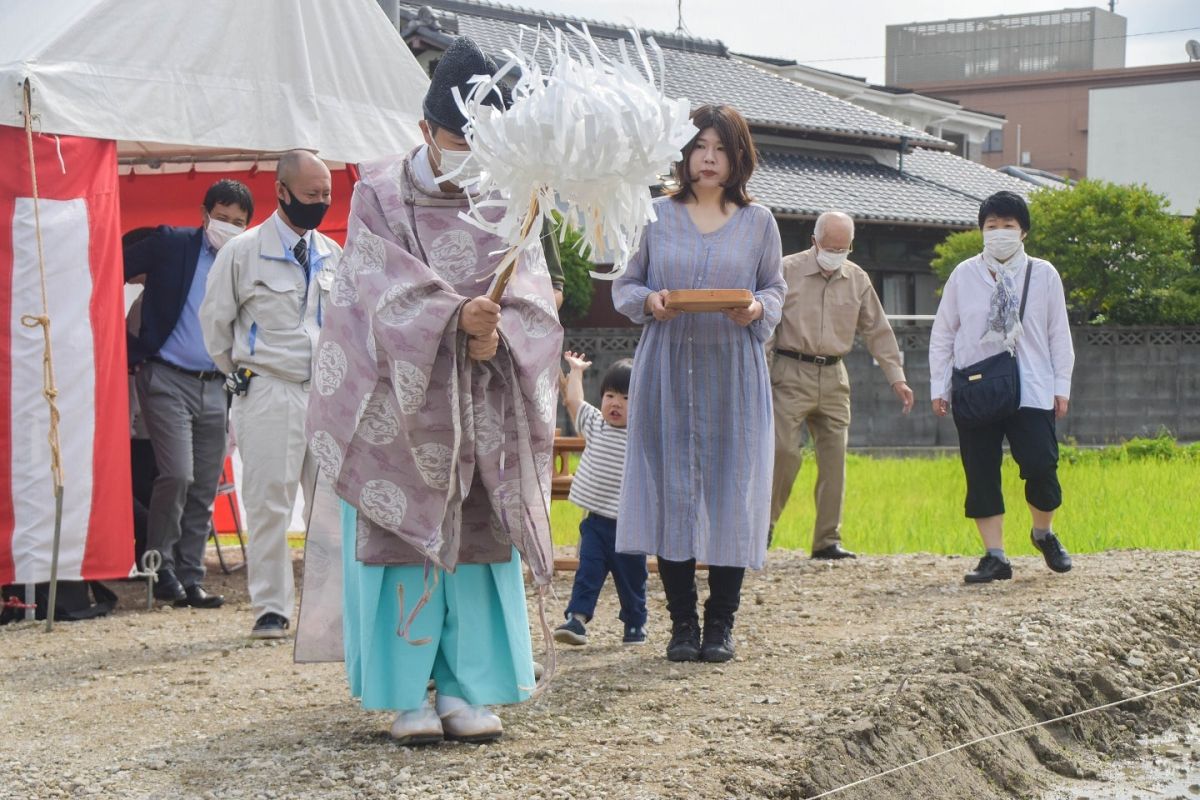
x=709 y=299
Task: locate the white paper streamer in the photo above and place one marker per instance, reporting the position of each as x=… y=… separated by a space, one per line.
x=588 y=137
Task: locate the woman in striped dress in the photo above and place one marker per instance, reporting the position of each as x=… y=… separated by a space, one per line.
x=698 y=466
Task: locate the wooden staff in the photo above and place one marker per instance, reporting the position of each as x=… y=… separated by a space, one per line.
x=512 y=256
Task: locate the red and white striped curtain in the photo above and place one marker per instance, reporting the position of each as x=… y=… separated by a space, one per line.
x=80 y=225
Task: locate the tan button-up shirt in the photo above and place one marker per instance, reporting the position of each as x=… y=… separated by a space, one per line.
x=821 y=315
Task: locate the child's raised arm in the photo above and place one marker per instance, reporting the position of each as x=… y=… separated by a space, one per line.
x=574 y=398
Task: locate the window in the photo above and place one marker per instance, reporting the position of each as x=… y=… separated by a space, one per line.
x=994 y=143
x=959 y=140
x=895 y=290
x=897 y=294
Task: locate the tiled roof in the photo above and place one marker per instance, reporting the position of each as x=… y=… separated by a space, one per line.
x=794 y=184
x=966 y=176
x=1040 y=179
x=935 y=188
x=704 y=74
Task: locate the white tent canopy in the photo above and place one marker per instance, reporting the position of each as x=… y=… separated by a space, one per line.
x=176 y=78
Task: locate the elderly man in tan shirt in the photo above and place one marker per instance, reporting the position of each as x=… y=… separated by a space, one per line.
x=829 y=300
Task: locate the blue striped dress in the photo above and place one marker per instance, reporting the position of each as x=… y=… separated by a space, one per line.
x=697 y=480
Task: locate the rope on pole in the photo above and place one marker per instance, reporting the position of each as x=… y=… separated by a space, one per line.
x=49 y=388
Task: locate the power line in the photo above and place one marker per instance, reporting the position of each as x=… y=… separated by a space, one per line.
x=996 y=47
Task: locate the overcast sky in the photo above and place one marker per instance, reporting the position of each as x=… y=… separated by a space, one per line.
x=848 y=35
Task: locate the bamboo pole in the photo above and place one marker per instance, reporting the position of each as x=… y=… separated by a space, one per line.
x=49 y=388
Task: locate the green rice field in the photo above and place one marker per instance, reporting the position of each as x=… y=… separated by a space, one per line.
x=1143 y=494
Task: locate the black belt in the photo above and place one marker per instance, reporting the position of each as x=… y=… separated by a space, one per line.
x=820 y=361
x=202 y=374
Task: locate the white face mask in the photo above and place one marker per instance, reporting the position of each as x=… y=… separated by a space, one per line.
x=831 y=261
x=1001 y=244
x=218 y=232
x=458 y=164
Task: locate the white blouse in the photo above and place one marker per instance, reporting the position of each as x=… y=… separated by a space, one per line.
x=1045 y=355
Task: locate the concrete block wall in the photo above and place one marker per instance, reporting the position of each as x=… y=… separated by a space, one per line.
x=1128 y=382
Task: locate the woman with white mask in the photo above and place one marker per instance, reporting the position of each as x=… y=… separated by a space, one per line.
x=1000 y=360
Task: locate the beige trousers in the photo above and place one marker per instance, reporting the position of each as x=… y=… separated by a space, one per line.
x=819 y=396
x=269 y=424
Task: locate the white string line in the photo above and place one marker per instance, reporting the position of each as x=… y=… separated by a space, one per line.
x=870 y=778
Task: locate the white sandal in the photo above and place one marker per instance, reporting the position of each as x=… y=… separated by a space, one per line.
x=463 y=722
x=418 y=726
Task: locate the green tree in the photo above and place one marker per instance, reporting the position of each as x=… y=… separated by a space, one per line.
x=1120 y=251
x=1115 y=247
x=577 y=283
x=1180 y=304
x=955 y=249
x=1196 y=238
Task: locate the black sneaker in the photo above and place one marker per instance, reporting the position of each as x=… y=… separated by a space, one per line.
x=634 y=634
x=270 y=626
x=718 y=641
x=685 y=641
x=1052 y=550
x=571 y=632
x=989 y=569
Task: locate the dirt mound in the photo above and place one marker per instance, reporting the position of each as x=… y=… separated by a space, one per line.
x=843 y=671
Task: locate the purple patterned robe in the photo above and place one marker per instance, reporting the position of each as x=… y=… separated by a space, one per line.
x=445 y=458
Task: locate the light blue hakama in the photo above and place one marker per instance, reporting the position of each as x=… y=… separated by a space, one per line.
x=476 y=621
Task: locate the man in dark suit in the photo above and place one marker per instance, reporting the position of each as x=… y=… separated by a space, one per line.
x=180 y=389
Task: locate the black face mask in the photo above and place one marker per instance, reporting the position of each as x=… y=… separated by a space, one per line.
x=303 y=215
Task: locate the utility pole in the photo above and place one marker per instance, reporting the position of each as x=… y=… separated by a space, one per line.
x=680 y=28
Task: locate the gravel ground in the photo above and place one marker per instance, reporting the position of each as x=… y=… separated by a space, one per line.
x=1168 y=766
x=843 y=670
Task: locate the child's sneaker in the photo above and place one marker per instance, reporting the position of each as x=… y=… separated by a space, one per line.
x=634 y=634
x=571 y=632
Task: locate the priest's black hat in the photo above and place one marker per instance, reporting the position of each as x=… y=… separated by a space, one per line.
x=462 y=60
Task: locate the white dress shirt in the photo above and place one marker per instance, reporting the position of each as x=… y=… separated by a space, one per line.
x=289 y=237
x=1045 y=355
x=423 y=171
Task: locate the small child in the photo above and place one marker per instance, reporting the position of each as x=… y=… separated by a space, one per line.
x=597 y=489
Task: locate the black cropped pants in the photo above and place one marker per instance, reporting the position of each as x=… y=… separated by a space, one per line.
x=1034 y=445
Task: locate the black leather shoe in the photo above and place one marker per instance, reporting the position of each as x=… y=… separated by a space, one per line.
x=989 y=569
x=1052 y=550
x=168 y=587
x=196 y=597
x=685 y=641
x=718 y=641
x=833 y=552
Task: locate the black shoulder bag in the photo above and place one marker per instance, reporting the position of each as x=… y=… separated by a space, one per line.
x=989 y=390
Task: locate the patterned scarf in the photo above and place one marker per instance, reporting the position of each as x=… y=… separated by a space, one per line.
x=1004 y=310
